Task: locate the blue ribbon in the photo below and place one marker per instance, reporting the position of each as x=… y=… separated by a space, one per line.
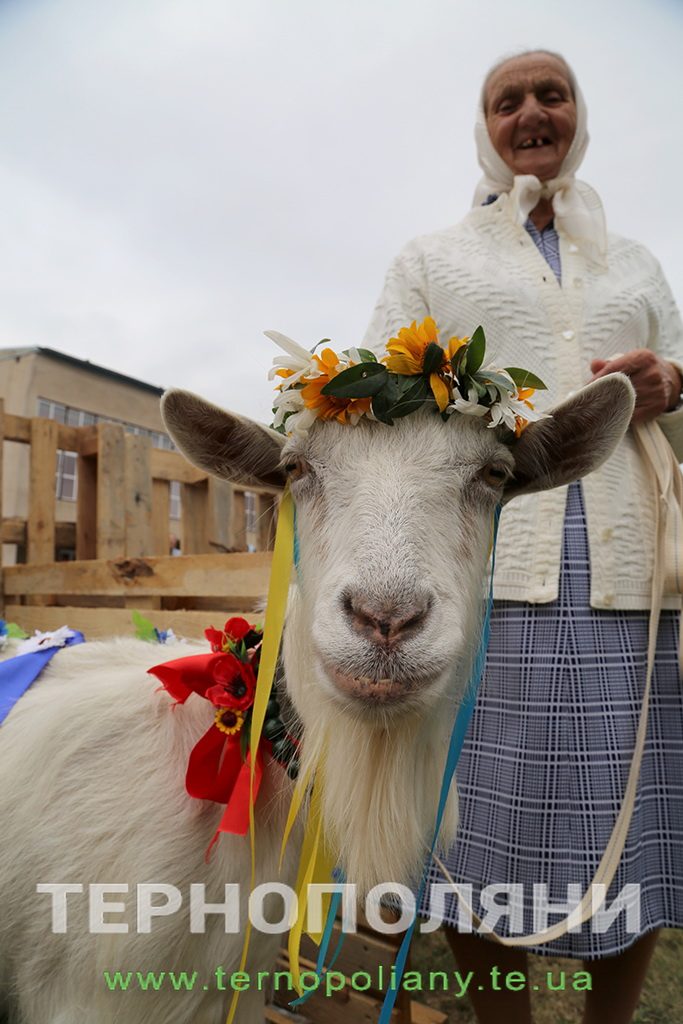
x=462 y=722
x=296 y=547
x=17 y=673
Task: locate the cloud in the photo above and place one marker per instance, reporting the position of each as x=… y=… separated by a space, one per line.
x=178 y=176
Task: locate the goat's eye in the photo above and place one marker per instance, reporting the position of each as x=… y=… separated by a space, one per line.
x=296 y=468
x=495 y=474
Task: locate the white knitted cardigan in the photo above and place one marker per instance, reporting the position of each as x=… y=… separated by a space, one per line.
x=487 y=270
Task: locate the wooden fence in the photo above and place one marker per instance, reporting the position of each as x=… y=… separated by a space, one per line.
x=120 y=536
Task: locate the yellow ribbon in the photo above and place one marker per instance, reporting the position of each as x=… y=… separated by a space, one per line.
x=278 y=592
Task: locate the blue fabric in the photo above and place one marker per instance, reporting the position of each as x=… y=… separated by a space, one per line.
x=546 y=241
x=19 y=672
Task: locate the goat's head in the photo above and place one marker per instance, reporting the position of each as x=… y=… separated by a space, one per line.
x=394 y=527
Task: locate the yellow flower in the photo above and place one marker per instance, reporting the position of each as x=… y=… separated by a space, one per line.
x=407 y=356
x=523 y=395
x=455 y=344
x=228 y=720
x=327 y=407
x=407 y=352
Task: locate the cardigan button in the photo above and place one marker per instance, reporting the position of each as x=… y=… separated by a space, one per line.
x=608 y=599
x=573 y=248
x=578 y=282
x=567 y=335
x=608 y=533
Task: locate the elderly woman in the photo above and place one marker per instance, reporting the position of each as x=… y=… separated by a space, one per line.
x=544 y=768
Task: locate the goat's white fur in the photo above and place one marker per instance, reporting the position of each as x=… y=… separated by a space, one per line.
x=92 y=759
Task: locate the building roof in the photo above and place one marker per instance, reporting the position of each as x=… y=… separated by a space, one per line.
x=82 y=364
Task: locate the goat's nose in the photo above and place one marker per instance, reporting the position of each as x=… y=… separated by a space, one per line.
x=386 y=623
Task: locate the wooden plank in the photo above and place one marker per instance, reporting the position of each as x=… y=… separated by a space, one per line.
x=138 y=496
x=97 y=623
x=194 y=501
x=17 y=428
x=41 y=513
x=238 y=533
x=86 y=508
x=69 y=439
x=87 y=440
x=173 y=466
x=14 y=532
x=279 y=1016
x=421 y=1014
x=111 y=514
x=139 y=603
x=360 y=952
x=221 y=500
x=160 y=517
x=344 y=1007
x=241 y=579
x=267 y=521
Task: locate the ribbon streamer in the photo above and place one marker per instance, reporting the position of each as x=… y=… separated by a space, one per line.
x=20 y=671
x=278 y=593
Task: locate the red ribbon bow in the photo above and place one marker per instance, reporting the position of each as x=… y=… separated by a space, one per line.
x=216 y=770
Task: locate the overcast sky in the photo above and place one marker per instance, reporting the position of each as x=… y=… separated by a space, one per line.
x=179 y=175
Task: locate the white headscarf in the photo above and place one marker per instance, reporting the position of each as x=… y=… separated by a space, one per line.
x=577 y=207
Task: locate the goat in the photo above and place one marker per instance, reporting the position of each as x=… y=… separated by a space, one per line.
x=394 y=526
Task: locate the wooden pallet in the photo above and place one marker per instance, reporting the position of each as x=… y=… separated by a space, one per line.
x=363 y=951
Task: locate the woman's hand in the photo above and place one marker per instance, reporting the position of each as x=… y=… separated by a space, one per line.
x=657 y=383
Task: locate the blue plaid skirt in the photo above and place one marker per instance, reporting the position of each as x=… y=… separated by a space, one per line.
x=544 y=766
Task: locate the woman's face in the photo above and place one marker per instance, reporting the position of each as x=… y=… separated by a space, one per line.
x=531 y=114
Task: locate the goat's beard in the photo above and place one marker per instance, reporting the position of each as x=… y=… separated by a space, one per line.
x=380 y=780
x=380 y=791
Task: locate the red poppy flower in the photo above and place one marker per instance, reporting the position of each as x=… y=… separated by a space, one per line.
x=216 y=638
x=236 y=629
x=235 y=684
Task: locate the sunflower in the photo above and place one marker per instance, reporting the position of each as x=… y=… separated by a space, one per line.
x=327 y=407
x=228 y=721
x=413 y=346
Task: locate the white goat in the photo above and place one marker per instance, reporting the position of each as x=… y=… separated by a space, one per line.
x=394 y=526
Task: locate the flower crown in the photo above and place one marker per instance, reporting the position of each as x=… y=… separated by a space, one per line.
x=415 y=370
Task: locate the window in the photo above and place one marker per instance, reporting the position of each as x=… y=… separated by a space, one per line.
x=67 y=480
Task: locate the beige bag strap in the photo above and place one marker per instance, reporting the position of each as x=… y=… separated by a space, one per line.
x=667 y=485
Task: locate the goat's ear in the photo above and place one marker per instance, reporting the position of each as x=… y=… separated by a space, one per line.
x=577 y=437
x=222 y=443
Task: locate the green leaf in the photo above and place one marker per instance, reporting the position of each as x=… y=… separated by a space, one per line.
x=323 y=341
x=433 y=358
x=244 y=740
x=525 y=378
x=16 y=632
x=366 y=355
x=144 y=630
x=476 y=349
x=360 y=381
x=459 y=362
x=415 y=395
x=491 y=377
x=386 y=398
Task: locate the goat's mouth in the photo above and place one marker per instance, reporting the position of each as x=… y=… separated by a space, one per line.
x=370 y=690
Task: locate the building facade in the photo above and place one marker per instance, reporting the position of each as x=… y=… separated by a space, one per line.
x=44 y=382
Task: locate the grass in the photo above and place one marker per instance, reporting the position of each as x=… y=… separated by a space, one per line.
x=661 y=1000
